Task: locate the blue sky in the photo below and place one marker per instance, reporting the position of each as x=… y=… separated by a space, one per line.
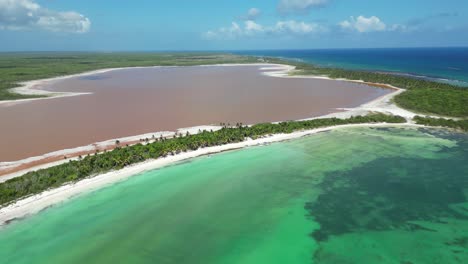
x=110 y=25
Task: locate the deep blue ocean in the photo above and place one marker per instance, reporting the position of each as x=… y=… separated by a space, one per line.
x=440 y=64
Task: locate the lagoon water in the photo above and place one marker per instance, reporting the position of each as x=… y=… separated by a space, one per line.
x=361 y=195
x=137 y=101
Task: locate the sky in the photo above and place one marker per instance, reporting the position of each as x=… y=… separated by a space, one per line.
x=160 y=25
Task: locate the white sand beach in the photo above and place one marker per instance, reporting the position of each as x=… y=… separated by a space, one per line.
x=34 y=87
x=36 y=203
x=39 y=202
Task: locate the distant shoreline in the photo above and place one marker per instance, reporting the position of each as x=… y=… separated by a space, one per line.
x=348 y=60
x=33 y=87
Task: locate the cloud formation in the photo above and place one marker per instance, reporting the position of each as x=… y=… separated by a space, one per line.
x=251 y=28
x=363 y=24
x=28 y=15
x=301 y=28
x=253 y=14
x=300 y=6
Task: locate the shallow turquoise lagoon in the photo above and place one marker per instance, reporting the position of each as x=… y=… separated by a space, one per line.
x=361 y=195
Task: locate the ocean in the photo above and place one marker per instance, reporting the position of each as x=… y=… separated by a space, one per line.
x=355 y=195
x=439 y=64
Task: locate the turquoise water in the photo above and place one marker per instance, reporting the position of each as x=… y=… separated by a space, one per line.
x=438 y=64
x=360 y=195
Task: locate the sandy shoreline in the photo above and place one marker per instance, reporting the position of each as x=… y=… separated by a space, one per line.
x=33 y=87
x=9 y=170
x=15 y=167
x=36 y=203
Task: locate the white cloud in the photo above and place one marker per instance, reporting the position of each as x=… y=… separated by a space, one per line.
x=300 y=6
x=402 y=28
x=294 y=27
x=251 y=28
x=231 y=32
x=28 y=15
x=363 y=24
x=253 y=14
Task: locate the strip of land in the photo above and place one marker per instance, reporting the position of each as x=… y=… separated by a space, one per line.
x=37 y=202
x=423 y=96
x=19 y=68
x=10 y=170
x=125 y=102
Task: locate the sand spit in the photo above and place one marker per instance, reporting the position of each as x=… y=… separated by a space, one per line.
x=112 y=111
x=34 y=87
x=9 y=170
x=39 y=202
x=36 y=203
x=272 y=70
x=383 y=104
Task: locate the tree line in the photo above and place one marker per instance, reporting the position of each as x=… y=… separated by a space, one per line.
x=38 y=181
x=20 y=67
x=442 y=122
x=423 y=96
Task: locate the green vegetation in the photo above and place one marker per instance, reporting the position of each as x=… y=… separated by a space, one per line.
x=423 y=96
x=20 y=67
x=38 y=181
x=428 y=121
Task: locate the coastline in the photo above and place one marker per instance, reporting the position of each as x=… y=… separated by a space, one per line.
x=11 y=169
x=33 y=204
x=33 y=87
x=36 y=203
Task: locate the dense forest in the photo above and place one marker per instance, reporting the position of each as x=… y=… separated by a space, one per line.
x=442 y=122
x=91 y=165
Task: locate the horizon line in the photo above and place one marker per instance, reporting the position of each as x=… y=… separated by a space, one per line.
x=224 y=50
